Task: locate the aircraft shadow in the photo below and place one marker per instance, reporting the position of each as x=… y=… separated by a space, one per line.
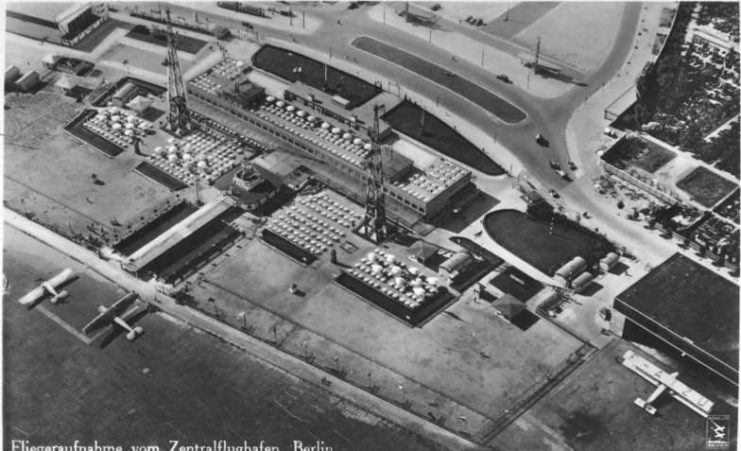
x=118 y=330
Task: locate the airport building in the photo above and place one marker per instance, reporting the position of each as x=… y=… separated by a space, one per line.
x=691 y=309
x=318 y=127
x=60 y=22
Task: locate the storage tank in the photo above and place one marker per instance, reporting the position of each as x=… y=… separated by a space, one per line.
x=572 y=268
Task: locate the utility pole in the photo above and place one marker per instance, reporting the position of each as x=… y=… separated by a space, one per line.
x=482 y=56
x=506 y=14
x=303 y=18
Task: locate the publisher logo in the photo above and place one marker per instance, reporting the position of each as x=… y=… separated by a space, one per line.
x=718 y=432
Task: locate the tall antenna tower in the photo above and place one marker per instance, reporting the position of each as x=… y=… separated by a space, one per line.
x=178 y=116
x=374 y=226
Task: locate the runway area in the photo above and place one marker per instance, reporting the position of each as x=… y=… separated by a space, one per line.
x=173 y=383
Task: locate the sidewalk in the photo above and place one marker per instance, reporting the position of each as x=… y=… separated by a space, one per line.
x=265 y=352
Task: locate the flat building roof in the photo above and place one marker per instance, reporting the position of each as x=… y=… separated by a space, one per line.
x=690 y=302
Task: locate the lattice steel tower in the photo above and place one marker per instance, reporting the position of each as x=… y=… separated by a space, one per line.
x=374 y=225
x=178 y=116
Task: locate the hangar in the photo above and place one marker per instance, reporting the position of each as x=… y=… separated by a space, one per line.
x=690 y=308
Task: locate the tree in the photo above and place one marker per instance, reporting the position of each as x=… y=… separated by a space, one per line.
x=690 y=139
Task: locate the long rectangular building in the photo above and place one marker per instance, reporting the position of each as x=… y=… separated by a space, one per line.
x=690 y=308
x=420 y=192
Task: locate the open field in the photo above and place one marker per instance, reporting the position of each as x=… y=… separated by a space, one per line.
x=407 y=117
x=327 y=322
x=283 y=64
x=197 y=389
x=471 y=91
x=521 y=15
x=594 y=410
x=48 y=172
x=587 y=39
x=531 y=240
x=705 y=186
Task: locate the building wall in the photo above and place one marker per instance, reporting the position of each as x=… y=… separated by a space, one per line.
x=402 y=198
x=679 y=343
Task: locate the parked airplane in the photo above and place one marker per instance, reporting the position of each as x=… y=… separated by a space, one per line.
x=112 y=315
x=49 y=288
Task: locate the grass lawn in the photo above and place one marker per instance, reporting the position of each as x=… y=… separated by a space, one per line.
x=706 y=187
x=282 y=63
x=193 y=391
x=465 y=88
x=639 y=153
x=406 y=117
x=531 y=241
x=184 y=43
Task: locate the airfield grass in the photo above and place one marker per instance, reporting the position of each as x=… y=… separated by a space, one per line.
x=443 y=355
x=531 y=240
x=197 y=389
x=48 y=173
x=594 y=409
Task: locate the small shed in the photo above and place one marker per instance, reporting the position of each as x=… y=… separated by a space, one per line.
x=581 y=282
x=65 y=84
x=507 y=307
x=50 y=60
x=422 y=252
x=139 y=104
x=571 y=270
x=124 y=93
x=12 y=73
x=453 y=266
x=609 y=262
x=28 y=81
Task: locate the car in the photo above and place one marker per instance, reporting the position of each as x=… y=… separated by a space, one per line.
x=554 y=164
x=504 y=78
x=541 y=141
x=572 y=165
x=554 y=193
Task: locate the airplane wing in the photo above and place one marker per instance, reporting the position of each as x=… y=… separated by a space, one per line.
x=122 y=304
x=106 y=317
x=99 y=321
x=37 y=293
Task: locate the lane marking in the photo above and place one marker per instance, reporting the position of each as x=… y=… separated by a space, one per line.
x=64 y=324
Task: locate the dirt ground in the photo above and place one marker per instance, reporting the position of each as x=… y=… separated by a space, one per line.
x=594 y=410
x=48 y=173
x=585 y=42
x=195 y=387
x=458 y=356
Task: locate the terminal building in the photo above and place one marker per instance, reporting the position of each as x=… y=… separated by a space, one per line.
x=59 y=22
x=691 y=309
x=319 y=128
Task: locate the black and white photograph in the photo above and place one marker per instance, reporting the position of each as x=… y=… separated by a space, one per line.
x=370 y=226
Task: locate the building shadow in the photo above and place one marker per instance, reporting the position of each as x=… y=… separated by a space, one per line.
x=457 y=219
x=591 y=289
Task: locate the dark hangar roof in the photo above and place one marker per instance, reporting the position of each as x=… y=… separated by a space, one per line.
x=690 y=301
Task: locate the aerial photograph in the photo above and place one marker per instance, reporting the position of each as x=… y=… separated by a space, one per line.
x=403 y=226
